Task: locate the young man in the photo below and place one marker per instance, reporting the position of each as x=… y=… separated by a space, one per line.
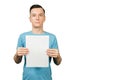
x=37 y=18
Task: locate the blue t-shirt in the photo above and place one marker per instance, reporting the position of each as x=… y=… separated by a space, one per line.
x=37 y=73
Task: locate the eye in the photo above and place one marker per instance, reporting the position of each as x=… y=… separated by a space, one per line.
x=33 y=15
x=41 y=15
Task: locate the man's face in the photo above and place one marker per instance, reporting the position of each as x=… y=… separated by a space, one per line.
x=37 y=17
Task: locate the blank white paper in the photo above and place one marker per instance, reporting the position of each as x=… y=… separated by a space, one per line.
x=37 y=56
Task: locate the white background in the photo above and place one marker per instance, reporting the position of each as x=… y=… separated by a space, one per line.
x=88 y=33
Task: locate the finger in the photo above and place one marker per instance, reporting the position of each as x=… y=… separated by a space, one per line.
x=52 y=50
x=55 y=51
x=52 y=55
x=23 y=49
x=22 y=52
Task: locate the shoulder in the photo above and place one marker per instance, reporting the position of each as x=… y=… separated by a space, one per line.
x=22 y=35
x=50 y=34
x=25 y=33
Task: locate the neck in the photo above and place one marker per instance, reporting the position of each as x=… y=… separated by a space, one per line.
x=37 y=30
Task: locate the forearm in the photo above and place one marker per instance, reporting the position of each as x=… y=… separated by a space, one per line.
x=17 y=58
x=57 y=60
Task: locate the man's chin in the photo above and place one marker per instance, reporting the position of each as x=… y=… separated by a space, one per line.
x=37 y=26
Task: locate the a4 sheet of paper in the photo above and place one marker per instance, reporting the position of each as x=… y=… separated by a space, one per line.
x=37 y=56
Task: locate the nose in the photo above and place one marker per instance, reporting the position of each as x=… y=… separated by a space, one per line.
x=37 y=17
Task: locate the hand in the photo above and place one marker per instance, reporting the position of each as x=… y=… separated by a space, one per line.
x=53 y=53
x=22 y=51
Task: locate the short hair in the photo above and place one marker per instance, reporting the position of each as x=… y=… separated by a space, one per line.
x=36 y=6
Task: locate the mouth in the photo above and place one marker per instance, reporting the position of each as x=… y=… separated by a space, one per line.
x=37 y=22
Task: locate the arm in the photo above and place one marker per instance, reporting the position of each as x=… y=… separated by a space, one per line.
x=57 y=60
x=55 y=54
x=19 y=53
x=17 y=58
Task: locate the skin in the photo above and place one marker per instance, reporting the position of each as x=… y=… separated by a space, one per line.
x=37 y=18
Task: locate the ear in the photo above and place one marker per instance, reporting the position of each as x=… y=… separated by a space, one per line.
x=30 y=19
x=44 y=18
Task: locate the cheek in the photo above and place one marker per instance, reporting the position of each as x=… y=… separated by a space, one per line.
x=32 y=20
x=43 y=20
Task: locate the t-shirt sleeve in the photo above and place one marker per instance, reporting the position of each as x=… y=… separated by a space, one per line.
x=20 y=42
x=55 y=43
